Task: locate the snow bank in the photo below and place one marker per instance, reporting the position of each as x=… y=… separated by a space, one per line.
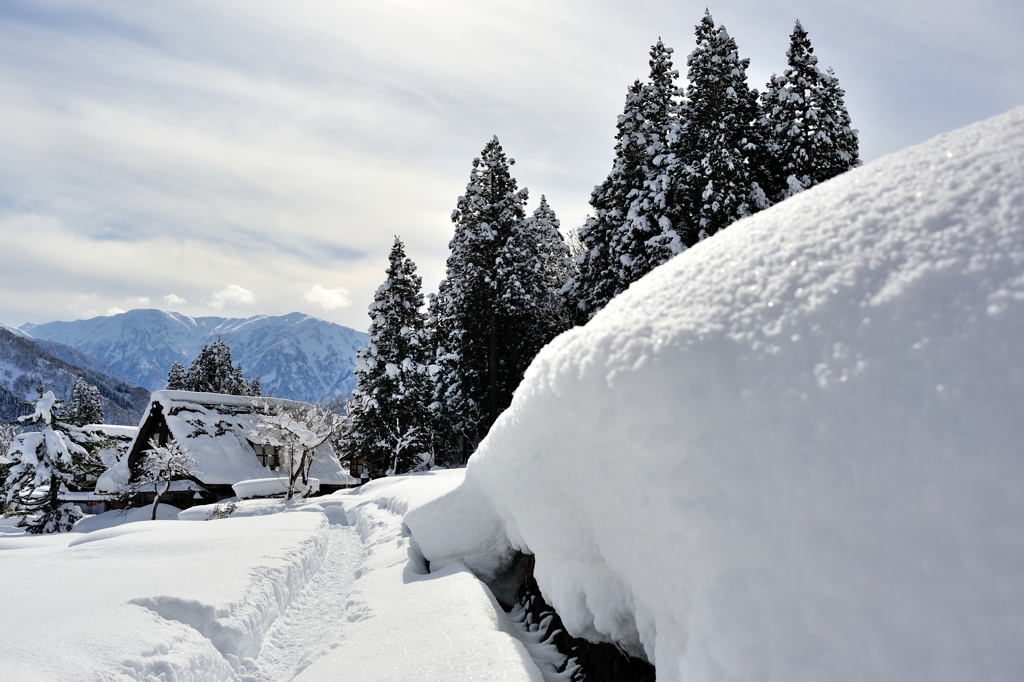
x=793 y=452
x=155 y=600
x=269 y=487
x=118 y=517
x=406 y=623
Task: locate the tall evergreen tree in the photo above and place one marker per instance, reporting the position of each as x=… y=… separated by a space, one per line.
x=808 y=125
x=558 y=266
x=649 y=236
x=212 y=372
x=639 y=209
x=489 y=313
x=721 y=150
x=598 y=280
x=176 y=378
x=41 y=462
x=85 y=406
x=389 y=410
x=844 y=152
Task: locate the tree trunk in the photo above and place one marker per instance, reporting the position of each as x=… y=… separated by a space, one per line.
x=156 y=499
x=54 y=491
x=494 y=371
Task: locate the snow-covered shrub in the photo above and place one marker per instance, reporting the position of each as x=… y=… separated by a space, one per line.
x=159 y=466
x=40 y=467
x=296 y=433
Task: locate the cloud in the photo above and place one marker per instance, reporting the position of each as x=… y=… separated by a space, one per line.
x=140 y=301
x=232 y=295
x=114 y=311
x=174 y=299
x=328 y=299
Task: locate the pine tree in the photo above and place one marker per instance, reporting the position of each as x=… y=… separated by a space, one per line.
x=844 y=151
x=254 y=388
x=648 y=237
x=639 y=210
x=389 y=410
x=809 y=128
x=598 y=280
x=176 y=379
x=85 y=406
x=559 y=269
x=41 y=466
x=487 y=312
x=721 y=150
x=212 y=372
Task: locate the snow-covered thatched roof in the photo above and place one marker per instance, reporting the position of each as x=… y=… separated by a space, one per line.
x=216 y=431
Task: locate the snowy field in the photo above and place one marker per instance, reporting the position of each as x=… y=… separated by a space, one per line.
x=330 y=590
x=792 y=453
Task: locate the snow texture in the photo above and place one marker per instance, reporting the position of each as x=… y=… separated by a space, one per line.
x=155 y=600
x=792 y=452
x=408 y=623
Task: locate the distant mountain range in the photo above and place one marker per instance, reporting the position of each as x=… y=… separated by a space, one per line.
x=26 y=363
x=295 y=356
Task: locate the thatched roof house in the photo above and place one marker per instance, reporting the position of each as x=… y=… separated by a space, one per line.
x=216 y=431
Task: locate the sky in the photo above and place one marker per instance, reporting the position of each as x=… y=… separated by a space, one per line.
x=246 y=157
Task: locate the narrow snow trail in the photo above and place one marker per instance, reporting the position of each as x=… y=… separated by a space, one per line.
x=313 y=622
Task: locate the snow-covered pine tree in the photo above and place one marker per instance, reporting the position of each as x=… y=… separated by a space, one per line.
x=212 y=372
x=176 y=378
x=720 y=150
x=254 y=388
x=598 y=281
x=810 y=137
x=389 y=410
x=41 y=465
x=85 y=406
x=559 y=268
x=485 y=312
x=844 y=151
x=648 y=237
x=446 y=335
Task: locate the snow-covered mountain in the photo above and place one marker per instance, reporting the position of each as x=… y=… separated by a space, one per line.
x=26 y=363
x=296 y=356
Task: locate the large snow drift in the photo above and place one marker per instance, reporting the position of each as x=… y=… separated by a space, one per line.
x=795 y=451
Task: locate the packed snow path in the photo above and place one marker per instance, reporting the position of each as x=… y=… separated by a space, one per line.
x=313 y=622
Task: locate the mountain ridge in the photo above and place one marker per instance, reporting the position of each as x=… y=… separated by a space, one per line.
x=296 y=356
x=26 y=363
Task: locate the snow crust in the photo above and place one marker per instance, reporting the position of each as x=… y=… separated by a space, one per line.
x=792 y=452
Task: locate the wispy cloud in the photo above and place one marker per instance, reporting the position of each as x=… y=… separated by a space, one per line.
x=328 y=299
x=115 y=311
x=174 y=299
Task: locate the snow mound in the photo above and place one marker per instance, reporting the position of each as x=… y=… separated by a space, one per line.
x=793 y=452
x=118 y=517
x=269 y=487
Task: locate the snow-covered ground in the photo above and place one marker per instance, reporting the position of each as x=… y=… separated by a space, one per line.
x=326 y=590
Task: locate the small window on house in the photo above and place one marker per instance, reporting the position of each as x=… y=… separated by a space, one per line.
x=261 y=452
